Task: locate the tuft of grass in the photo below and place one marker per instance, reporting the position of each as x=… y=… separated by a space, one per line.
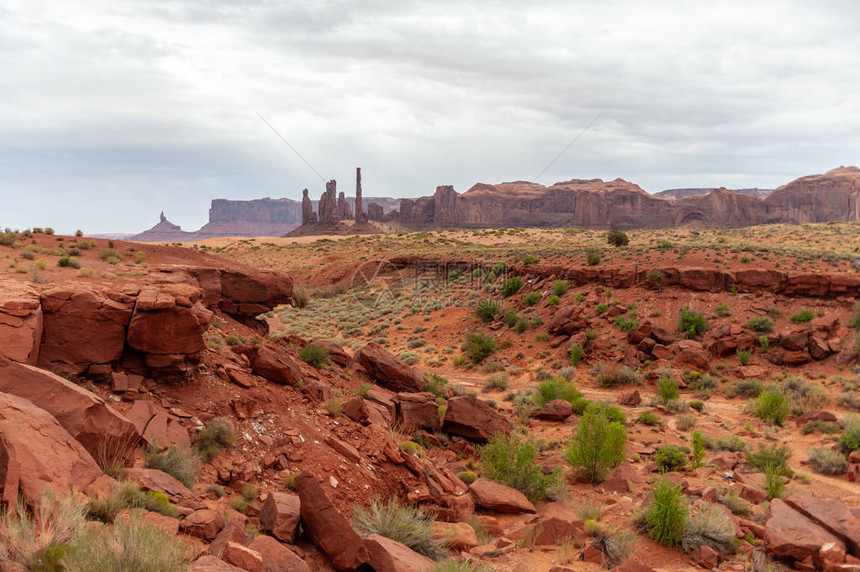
x=685 y=422
x=509 y=460
x=691 y=323
x=667 y=390
x=333 y=406
x=649 y=418
x=314 y=355
x=575 y=354
x=556 y=388
x=406 y=524
x=559 y=287
x=773 y=457
x=827 y=461
x=614 y=374
x=709 y=526
x=498 y=380
x=217 y=433
x=743 y=356
x=488 y=309
x=616 y=547
x=802 y=316
x=760 y=325
x=183 y=464
x=531 y=298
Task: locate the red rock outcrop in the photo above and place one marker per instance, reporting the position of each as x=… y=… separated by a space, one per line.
x=20 y=321
x=87 y=418
x=473 y=419
x=387 y=369
x=37 y=453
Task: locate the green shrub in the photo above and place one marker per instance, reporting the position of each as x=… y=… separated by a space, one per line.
x=575 y=354
x=774 y=482
x=697 y=405
x=216 y=434
x=749 y=387
x=803 y=395
x=670 y=458
x=530 y=259
x=592 y=257
x=698 y=449
x=511 y=286
x=183 y=464
x=685 y=422
x=314 y=355
x=552 y=301
x=710 y=526
x=559 y=287
x=667 y=390
x=827 y=461
x=773 y=456
x=801 y=317
x=597 y=445
x=130 y=544
x=478 y=346
x=531 y=298
x=510 y=461
x=734 y=502
x=763 y=342
x=649 y=418
x=498 y=380
x=760 y=325
x=110 y=256
x=743 y=356
x=614 y=374
x=772 y=407
x=468 y=477
x=667 y=514
x=510 y=318
x=722 y=311
x=617 y=238
x=488 y=309
x=626 y=323
x=850 y=440
x=692 y=324
x=556 y=388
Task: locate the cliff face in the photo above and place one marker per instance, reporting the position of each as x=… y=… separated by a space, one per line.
x=619 y=204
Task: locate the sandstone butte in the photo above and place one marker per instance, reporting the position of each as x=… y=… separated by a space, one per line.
x=833 y=196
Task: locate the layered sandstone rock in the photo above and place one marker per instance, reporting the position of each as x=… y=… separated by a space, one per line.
x=20 y=321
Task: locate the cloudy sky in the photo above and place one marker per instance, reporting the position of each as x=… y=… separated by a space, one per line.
x=113 y=111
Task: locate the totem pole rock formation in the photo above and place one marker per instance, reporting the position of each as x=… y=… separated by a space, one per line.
x=308 y=214
x=328 y=204
x=344 y=212
x=360 y=216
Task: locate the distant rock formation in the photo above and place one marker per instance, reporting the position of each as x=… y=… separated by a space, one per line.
x=308 y=214
x=360 y=215
x=620 y=204
x=164 y=231
x=375 y=211
x=675 y=194
x=343 y=210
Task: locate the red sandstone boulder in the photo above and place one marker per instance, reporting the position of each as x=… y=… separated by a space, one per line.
x=388 y=555
x=204 y=523
x=276 y=556
x=336 y=353
x=790 y=534
x=36 y=452
x=794 y=339
x=280 y=516
x=782 y=356
x=693 y=358
x=631 y=398
x=493 y=496
x=639 y=333
x=327 y=528
x=209 y=563
x=367 y=412
x=622 y=478
x=456 y=535
x=272 y=362
x=832 y=514
x=20 y=321
x=248 y=293
x=86 y=416
x=157 y=426
x=557 y=523
x=83 y=326
x=388 y=370
x=159 y=481
x=555 y=410
x=473 y=419
x=567 y=320
x=419 y=411
x=243 y=557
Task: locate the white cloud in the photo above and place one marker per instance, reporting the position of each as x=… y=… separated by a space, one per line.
x=112 y=115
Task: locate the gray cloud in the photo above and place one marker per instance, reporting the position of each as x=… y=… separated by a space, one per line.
x=113 y=115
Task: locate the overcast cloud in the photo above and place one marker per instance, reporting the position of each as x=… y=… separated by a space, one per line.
x=114 y=111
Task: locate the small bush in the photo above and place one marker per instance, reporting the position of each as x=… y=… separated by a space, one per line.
x=670 y=458
x=803 y=395
x=734 y=502
x=649 y=418
x=685 y=422
x=722 y=311
x=760 y=325
x=709 y=526
x=616 y=547
x=617 y=238
x=667 y=390
x=614 y=375
x=826 y=461
x=771 y=457
x=575 y=354
x=749 y=387
x=772 y=407
x=552 y=301
x=511 y=286
x=697 y=405
x=314 y=355
x=763 y=342
x=597 y=445
x=801 y=317
x=692 y=324
x=510 y=461
x=743 y=356
x=478 y=346
x=215 y=435
x=625 y=324
x=850 y=440
x=468 y=477
x=592 y=257
x=556 y=388
x=511 y=318
x=333 y=406
x=531 y=298
x=559 y=287
x=774 y=482
x=497 y=380
x=487 y=310
x=698 y=449
x=181 y=463
x=667 y=514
